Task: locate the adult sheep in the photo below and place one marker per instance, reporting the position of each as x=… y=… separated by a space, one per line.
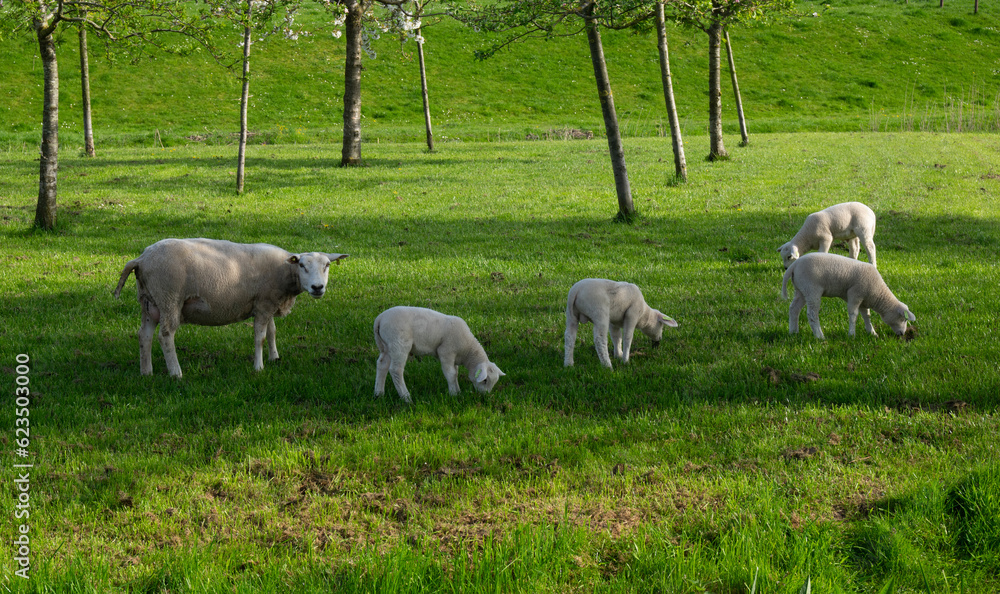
x=211 y=282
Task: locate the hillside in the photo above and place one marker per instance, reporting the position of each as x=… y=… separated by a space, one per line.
x=842 y=66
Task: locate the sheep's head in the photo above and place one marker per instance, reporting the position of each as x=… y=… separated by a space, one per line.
x=898 y=318
x=485 y=376
x=656 y=333
x=314 y=270
x=789 y=253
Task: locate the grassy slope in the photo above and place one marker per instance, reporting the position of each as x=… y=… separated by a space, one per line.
x=853 y=66
x=689 y=468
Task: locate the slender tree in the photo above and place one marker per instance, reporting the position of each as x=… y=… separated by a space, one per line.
x=88 y=127
x=511 y=21
x=680 y=163
x=744 y=138
x=354 y=37
x=129 y=23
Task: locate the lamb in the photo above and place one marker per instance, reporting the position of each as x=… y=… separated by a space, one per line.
x=211 y=282
x=828 y=275
x=852 y=221
x=404 y=331
x=613 y=304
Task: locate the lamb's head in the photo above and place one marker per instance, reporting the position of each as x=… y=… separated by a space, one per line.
x=898 y=317
x=485 y=376
x=314 y=270
x=789 y=253
x=655 y=330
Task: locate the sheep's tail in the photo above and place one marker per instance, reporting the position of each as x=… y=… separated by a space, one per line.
x=132 y=265
x=784 y=281
x=570 y=306
x=378 y=337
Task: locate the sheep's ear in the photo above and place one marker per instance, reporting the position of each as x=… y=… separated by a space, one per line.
x=293 y=260
x=910 y=316
x=337 y=257
x=499 y=373
x=481 y=373
x=668 y=321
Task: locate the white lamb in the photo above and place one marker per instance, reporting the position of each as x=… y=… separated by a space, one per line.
x=613 y=305
x=852 y=221
x=404 y=331
x=828 y=275
x=210 y=282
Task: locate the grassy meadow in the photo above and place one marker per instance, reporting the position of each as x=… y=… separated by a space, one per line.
x=733 y=458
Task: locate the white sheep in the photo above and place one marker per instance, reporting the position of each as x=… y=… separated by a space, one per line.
x=210 y=282
x=852 y=221
x=819 y=275
x=613 y=305
x=401 y=332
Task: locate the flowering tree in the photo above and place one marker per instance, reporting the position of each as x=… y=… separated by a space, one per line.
x=364 y=21
x=130 y=24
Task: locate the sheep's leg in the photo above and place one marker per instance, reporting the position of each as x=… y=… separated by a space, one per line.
x=381 y=370
x=616 y=343
x=570 y=340
x=150 y=317
x=168 y=328
x=794 y=311
x=396 y=365
x=272 y=345
x=260 y=324
x=601 y=342
x=450 y=371
x=825 y=243
x=853 y=247
x=812 y=314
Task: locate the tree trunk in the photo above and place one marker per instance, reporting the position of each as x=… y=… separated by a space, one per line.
x=680 y=164
x=244 y=100
x=626 y=210
x=975 y=9
x=351 y=152
x=45 y=212
x=88 y=128
x=745 y=139
x=423 y=91
x=717 y=150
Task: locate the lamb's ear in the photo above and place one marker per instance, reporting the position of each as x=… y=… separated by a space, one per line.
x=481 y=373
x=337 y=257
x=909 y=314
x=795 y=251
x=668 y=321
x=293 y=260
x=499 y=373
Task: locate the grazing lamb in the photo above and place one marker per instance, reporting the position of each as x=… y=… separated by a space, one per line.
x=615 y=305
x=213 y=283
x=404 y=331
x=852 y=221
x=828 y=275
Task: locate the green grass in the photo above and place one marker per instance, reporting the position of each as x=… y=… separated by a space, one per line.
x=709 y=464
x=854 y=66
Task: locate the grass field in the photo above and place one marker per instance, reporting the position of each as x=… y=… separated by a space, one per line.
x=733 y=458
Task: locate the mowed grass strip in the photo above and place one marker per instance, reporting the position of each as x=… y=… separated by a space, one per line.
x=731 y=455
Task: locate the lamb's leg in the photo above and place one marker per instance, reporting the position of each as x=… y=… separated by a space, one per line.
x=450 y=371
x=381 y=370
x=870 y=248
x=812 y=314
x=570 y=340
x=150 y=317
x=616 y=343
x=601 y=341
x=825 y=243
x=272 y=345
x=260 y=324
x=798 y=302
x=396 y=364
x=628 y=331
x=853 y=247
x=168 y=328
